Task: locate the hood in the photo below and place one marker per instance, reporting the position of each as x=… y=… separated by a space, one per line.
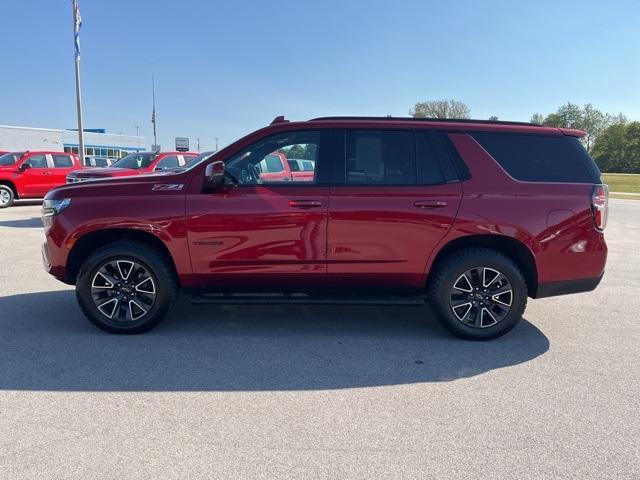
x=101 y=172
x=122 y=185
x=8 y=168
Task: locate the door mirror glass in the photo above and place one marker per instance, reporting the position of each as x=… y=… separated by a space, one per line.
x=214 y=173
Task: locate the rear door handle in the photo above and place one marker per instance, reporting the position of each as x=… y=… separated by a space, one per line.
x=305 y=203
x=429 y=204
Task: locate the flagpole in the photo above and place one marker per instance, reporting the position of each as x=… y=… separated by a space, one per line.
x=153 y=116
x=76 y=26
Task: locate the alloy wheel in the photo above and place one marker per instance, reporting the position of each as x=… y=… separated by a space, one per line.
x=5 y=197
x=481 y=297
x=123 y=290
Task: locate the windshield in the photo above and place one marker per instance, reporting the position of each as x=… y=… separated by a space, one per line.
x=135 y=161
x=196 y=160
x=10 y=158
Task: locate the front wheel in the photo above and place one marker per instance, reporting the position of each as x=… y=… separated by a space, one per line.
x=6 y=196
x=478 y=293
x=126 y=287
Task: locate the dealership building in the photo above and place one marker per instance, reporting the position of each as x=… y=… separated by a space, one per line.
x=96 y=141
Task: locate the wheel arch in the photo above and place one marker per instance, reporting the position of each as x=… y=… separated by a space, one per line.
x=517 y=251
x=90 y=241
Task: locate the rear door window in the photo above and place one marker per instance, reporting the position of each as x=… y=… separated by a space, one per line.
x=271 y=164
x=382 y=157
x=538 y=158
x=62 y=161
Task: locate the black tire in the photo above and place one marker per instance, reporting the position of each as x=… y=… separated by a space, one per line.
x=442 y=289
x=148 y=260
x=7 y=196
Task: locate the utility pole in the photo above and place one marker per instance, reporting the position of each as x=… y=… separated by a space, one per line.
x=153 y=115
x=77 y=23
x=137 y=130
x=216 y=139
x=198 y=140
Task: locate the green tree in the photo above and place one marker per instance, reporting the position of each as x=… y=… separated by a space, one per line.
x=493 y=118
x=440 y=109
x=295 y=151
x=617 y=149
x=537 y=118
x=587 y=118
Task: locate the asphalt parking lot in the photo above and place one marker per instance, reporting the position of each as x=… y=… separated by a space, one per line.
x=318 y=392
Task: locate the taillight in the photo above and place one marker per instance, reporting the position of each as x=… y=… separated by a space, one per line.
x=600 y=205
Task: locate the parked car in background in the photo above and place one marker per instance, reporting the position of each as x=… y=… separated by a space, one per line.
x=98 y=161
x=472 y=216
x=32 y=174
x=274 y=168
x=134 y=164
x=302 y=169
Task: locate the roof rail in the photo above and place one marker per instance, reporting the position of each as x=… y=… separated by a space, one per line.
x=443 y=120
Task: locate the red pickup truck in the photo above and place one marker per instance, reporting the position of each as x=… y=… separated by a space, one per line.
x=134 y=164
x=277 y=167
x=33 y=174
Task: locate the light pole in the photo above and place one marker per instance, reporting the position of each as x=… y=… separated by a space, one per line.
x=137 y=130
x=77 y=23
x=198 y=140
x=216 y=139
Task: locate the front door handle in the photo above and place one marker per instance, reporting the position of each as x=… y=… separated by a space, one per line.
x=426 y=204
x=305 y=203
x=47 y=173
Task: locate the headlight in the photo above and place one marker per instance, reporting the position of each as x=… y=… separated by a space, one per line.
x=54 y=207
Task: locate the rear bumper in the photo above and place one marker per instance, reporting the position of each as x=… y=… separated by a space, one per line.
x=566 y=287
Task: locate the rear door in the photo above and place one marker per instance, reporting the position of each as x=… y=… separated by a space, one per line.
x=63 y=164
x=393 y=198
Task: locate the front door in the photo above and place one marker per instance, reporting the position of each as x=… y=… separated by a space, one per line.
x=36 y=179
x=391 y=205
x=271 y=231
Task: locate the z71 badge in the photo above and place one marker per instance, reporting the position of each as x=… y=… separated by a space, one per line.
x=168 y=186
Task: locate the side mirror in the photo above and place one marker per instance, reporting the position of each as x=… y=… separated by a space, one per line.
x=214 y=173
x=24 y=166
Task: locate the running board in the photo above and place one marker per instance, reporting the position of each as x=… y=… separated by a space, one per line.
x=303 y=299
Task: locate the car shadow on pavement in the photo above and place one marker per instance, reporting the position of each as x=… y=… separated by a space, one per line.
x=46 y=344
x=35 y=222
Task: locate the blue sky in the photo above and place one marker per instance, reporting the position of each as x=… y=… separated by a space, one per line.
x=224 y=69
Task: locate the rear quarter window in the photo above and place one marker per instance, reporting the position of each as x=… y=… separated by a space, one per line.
x=540 y=158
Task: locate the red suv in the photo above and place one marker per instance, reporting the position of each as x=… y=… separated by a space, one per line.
x=134 y=164
x=33 y=174
x=473 y=216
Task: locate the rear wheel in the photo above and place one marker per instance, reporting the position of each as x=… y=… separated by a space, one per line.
x=478 y=293
x=126 y=287
x=6 y=196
